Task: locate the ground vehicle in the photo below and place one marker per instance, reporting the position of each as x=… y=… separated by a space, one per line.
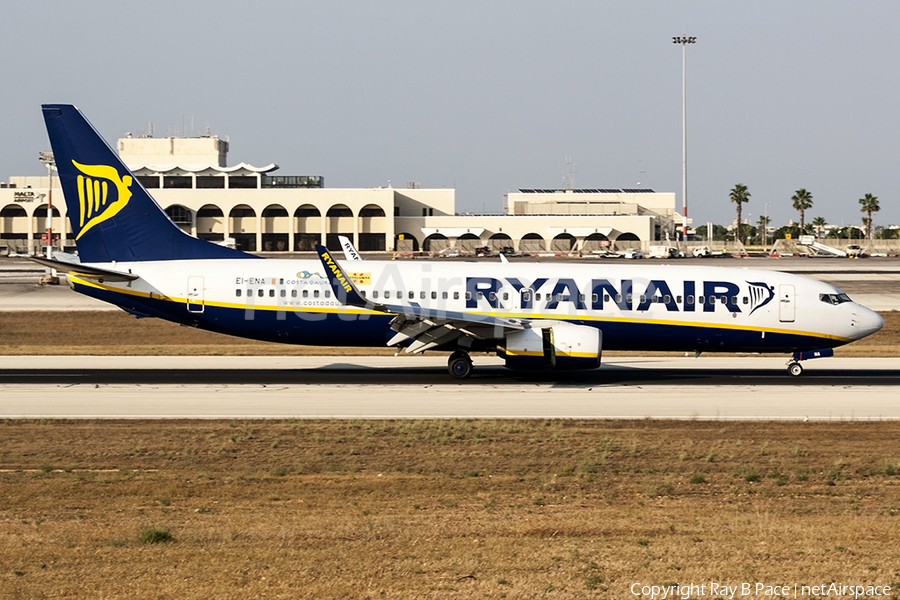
x=633 y=253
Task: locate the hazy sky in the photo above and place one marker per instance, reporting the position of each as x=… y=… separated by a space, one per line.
x=486 y=97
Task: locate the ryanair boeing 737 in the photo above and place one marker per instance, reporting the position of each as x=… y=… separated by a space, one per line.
x=535 y=316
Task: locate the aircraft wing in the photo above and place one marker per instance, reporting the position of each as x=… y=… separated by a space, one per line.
x=426 y=327
x=85 y=270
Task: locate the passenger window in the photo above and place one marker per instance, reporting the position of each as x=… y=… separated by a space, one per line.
x=260 y=292
x=315 y=293
x=606 y=297
x=506 y=295
x=328 y=293
x=249 y=293
x=363 y=293
x=421 y=295
x=537 y=296
x=690 y=299
x=456 y=295
x=375 y=294
x=468 y=295
x=526 y=297
x=306 y=293
x=237 y=293
x=667 y=299
x=434 y=295
x=745 y=300
x=443 y=295
x=595 y=297
x=271 y=293
x=479 y=295
x=284 y=293
x=678 y=299
x=492 y=296
x=619 y=298
x=700 y=299
x=734 y=299
x=643 y=298
x=293 y=293
x=412 y=295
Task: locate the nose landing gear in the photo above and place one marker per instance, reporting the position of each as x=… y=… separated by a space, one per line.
x=793 y=365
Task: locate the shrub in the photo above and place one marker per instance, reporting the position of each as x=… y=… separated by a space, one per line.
x=156 y=536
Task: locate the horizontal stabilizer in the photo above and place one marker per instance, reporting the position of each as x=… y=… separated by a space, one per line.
x=84 y=270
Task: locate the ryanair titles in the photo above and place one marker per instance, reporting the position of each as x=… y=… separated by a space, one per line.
x=696 y=295
x=338 y=274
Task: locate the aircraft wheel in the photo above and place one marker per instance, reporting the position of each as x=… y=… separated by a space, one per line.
x=459 y=365
x=795 y=369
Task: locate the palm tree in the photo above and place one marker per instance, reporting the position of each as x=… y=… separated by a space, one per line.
x=763 y=231
x=819 y=223
x=803 y=201
x=739 y=195
x=869 y=205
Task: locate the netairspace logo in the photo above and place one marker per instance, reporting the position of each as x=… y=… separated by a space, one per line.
x=760 y=590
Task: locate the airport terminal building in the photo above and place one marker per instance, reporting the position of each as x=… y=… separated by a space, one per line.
x=259 y=211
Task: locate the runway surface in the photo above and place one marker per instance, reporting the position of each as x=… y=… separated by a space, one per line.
x=386 y=387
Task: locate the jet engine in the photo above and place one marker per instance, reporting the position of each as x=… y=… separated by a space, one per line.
x=554 y=345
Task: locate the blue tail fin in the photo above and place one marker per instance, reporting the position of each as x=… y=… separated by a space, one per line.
x=113 y=217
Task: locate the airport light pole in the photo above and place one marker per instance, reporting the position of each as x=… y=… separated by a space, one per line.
x=684 y=41
x=46 y=158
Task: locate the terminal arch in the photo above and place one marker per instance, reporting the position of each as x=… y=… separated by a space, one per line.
x=498 y=241
x=436 y=243
x=563 y=242
x=181 y=216
x=338 y=221
x=372 y=228
x=531 y=242
x=595 y=242
x=242 y=225
x=467 y=242
x=13 y=226
x=628 y=240
x=308 y=227
x=211 y=223
x=275 y=228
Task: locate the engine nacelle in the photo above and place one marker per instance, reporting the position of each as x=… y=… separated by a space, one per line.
x=557 y=345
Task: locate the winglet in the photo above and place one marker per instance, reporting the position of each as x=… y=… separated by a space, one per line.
x=342 y=286
x=350 y=252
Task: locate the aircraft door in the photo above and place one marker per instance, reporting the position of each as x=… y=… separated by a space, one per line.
x=786 y=305
x=195 y=294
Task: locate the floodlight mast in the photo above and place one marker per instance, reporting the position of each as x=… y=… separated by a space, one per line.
x=684 y=41
x=46 y=158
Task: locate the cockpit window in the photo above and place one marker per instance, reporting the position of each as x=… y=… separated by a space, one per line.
x=835 y=298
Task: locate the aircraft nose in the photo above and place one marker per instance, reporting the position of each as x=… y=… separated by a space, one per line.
x=867 y=322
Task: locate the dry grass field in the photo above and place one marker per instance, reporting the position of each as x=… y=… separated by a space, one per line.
x=428 y=509
x=441 y=509
x=117 y=333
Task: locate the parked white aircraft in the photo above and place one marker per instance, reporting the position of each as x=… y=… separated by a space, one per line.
x=547 y=315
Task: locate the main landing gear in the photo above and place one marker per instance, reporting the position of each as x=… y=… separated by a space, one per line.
x=460 y=365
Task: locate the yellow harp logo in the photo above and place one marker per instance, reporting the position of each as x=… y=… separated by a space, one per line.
x=94 y=203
